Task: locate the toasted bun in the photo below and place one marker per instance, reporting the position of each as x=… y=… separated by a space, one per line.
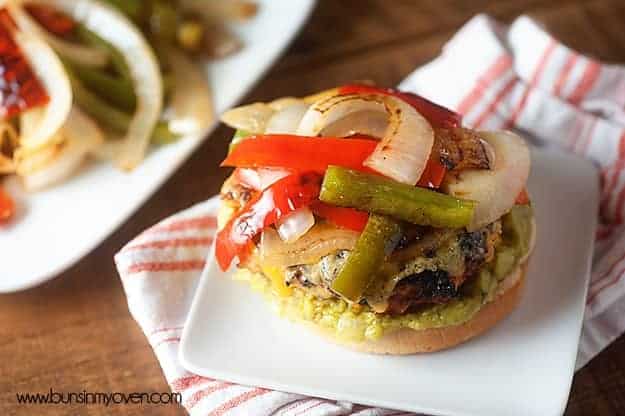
x=409 y=341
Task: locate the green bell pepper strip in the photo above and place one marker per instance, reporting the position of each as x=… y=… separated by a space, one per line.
x=111 y=117
x=372 y=193
x=117 y=91
x=131 y=8
x=163 y=21
x=117 y=60
x=376 y=241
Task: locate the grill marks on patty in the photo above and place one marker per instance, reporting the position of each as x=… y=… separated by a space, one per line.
x=430 y=286
x=438 y=286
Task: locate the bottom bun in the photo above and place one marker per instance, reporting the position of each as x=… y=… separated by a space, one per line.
x=410 y=341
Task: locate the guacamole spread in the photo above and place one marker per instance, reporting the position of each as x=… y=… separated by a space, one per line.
x=357 y=322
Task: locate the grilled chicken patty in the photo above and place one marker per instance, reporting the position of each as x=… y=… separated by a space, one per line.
x=430 y=270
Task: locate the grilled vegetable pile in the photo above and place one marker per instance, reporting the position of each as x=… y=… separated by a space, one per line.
x=102 y=78
x=372 y=205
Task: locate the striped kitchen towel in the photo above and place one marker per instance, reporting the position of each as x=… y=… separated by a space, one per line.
x=515 y=77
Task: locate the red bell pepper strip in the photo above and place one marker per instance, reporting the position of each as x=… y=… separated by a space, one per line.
x=19 y=87
x=7 y=207
x=280 y=199
x=349 y=218
x=300 y=153
x=52 y=20
x=433 y=175
x=523 y=198
x=437 y=115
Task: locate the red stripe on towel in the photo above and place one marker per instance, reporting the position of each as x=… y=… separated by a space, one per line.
x=308 y=409
x=591 y=73
x=166 y=341
x=165 y=329
x=173 y=243
x=196 y=397
x=239 y=400
x=209 y=221
x=571 y=60
x=595 y=292
x=184 y=383
x=493 y=105
x=498 y=68
x=540 y=68
x=166 y=266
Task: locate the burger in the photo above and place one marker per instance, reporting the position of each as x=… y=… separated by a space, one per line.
x=374 y=217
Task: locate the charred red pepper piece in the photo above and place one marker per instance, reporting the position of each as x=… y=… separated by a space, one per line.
x=280 y=199
x=433 y=175
x=437 y=115
x=7 y=207
x=349 y=218
x=300 y=152
x=52 y=20
x=523 y=198
x=19 y=87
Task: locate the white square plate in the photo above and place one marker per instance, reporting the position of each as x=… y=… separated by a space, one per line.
x=60 y=225
x=524 y=366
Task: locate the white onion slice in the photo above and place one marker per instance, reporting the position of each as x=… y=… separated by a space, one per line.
x=82 y=135
x=252 y=117
x=284 y=102
x=260 y=178
x=82 y=128
x=49 y=71
x=84 y=55
x=29 y=120
x=405 y=148
x=287 y=119
x=115 y=28
x=371 y=123
x=295 y=225
x=495 y=190
x=321 y=95
x=30 y=160
x=321 y=240
x=190 y=109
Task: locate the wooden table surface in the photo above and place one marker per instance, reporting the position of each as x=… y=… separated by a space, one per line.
x=75 y=332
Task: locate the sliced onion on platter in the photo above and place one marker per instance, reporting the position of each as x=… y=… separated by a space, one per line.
x=84 y=55
x=8 y=140
x=48 y=69
x=81 y=136
x=112 y=26
x=190 y=109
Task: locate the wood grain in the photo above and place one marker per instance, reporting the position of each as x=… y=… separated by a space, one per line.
x=75 y=333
